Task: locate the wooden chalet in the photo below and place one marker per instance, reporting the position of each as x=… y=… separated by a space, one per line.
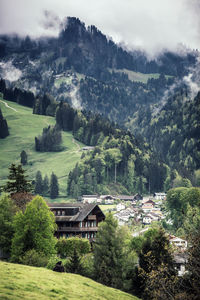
x=77 y=219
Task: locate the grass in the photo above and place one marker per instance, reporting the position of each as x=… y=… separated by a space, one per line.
x=23 y=127
x=24 y=282
x=107 y=207
x=137 y=76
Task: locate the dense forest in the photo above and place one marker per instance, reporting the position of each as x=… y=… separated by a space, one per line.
x=86 y=76
x=174 y=132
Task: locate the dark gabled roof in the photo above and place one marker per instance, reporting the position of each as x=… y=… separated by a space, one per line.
x=84 y=209
x=124 y=197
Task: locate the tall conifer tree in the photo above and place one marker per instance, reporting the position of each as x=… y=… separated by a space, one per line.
x=54 y=189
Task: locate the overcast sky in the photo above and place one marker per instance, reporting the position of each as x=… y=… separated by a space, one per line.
x=149 y=24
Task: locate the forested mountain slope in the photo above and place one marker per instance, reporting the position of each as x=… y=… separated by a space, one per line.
x=174 y=132
x=90 y=72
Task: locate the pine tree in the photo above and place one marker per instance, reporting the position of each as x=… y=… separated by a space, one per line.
x=154 y=258
x=75 y=265
x=23 y=156
x=38 y=183
x=3 y=126
x=46 y=185
x=17 y=180
x=54 y=188
x=108 y=253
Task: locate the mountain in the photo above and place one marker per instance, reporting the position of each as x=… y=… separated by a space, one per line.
x=174 y=132
x=90 y=72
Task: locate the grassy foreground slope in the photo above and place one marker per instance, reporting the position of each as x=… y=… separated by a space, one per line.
x=23 y=127
x=24 y=282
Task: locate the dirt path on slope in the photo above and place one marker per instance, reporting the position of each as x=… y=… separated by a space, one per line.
x=6 y=105
x=74 y=142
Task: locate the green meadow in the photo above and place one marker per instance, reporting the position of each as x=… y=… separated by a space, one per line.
x=23 y=127
x=137 y=76
x=24 y=282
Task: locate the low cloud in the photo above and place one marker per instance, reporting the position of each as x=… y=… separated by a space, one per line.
x=51 y=21
x=9 y=72
x=151 y=25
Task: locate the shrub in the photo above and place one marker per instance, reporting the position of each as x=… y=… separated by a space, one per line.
x=65 y=247
x=88 y=265
x=34 y=258
x=53 y=260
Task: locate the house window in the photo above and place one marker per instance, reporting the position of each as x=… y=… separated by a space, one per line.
x=63 y=212
x=81 y=224
x=95 y=223
x=58 y=212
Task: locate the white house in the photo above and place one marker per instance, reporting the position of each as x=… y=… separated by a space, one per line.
x=148 y=206
x=120 y=206
x=178 y=242
x=160 y=196
x=90 y=198
x=147 y=220
x=180 y=260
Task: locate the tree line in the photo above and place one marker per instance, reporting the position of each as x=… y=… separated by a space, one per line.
x=45 y=187
x=4 y=132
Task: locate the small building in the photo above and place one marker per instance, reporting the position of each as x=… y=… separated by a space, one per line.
x=160 y=196
x=148 y=206
x=180 y=260
x=107 y=199
x=178 y=242
x=147 y=220
x=77 y=219
x=127 y=198
x=87 y=148
x=120 y=206
x=89 y=198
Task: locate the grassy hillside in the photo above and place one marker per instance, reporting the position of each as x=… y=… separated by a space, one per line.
x=24 y=282
x=137 y=76
x=23 y=127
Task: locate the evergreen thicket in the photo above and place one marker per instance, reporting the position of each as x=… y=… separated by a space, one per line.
x=17 y=95
x=3 y=127
x=54 y=187
x=50 y=140
x=109 y=253
x=24 y=157
x=38 y=183
x=17 y=180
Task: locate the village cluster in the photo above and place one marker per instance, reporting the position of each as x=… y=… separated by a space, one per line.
x=141 y=211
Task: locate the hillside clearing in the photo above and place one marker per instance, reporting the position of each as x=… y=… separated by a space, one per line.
x=24 y=282
x=23 y=127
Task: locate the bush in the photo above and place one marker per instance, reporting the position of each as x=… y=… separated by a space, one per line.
x=53 y=260
x=34 y=258
x=65 y=247
x=88 y=265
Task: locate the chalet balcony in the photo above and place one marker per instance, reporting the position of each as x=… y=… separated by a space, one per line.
x=77 y=229
x=92 y=217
